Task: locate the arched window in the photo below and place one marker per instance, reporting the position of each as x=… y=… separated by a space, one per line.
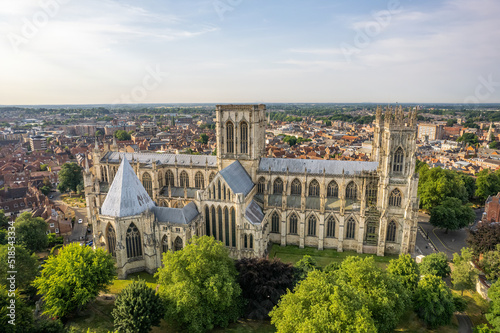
x=147 y=183
x=371 y=193
x=397 y=165
x=251 y=241
x=224 y=191
x=226 y=224
x=133 y=241
x=244 y=137
x=199 y=180
x=184 y=180
x=332 y=190
x=351 y=191
x=164 y=244
x=330 y=227
x=178 y=244
x=293 y=224
x=169 y=178
x=350 y=229
x=218 y=190
x=261 y=185
x=314 y=188
x=278 y=186
x=391 y=232
x=160 y=179
x=111 y=235
x=395 y=198
x=311 y=226
x=211 y=177
x=275 y=223
x=214 y=223
x=219 y=211
x=296 y=187
x=230 y=137
x=233 y=226
x=245 y=242
x=207 y=221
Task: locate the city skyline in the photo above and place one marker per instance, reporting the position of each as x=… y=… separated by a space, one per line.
x=222 y=51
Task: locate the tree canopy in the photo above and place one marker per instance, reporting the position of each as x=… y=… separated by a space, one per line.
x=137 y=308
x=469 y=138
x=452 y=215
x=122 y=135
x=484 y=237
x=74 y=277
x=434 y=303
x=487 y=183
x=437 y=184
x=435 y=264
x=70 y=177
x=263 y=282
x=490 y=263
x=203 y=138
x=493 y=315
x=26 y=265
x=463 y=275
x=31 y=232
x=23 y=318
x=199 y=285
x=406 y=270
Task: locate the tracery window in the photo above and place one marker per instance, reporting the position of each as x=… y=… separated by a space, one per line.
x=391 y=232
x=397 y=165
x=371 y=193
x=278 y=186
x=244 y=137
x=169 y=178
x=351 y=191
x=147 y=183
x=275 y=223
x=314 y=188
x=261 y=185
x=184 y=179
x=395 y=198
x=296 y=187
x=350 y=229
x=230 y=137
x=330 y=227
x=133 y=241
x=332 y=190
x=199 y=180
x=311 y=227
x=293 y=224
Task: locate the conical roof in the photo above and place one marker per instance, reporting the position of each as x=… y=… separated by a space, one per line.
x=126 y=195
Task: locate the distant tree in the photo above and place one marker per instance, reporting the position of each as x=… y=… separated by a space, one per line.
x=437 y=184
x=31 y=232
x=469 y=138
x=451 y=122
x=263 y=282
x=452 y=215
x=464 y=275
x=320 y=304
x=45 y=190
x=199 y=285
x=291 y=140
x=73 y=278
x=493 y=315
x=470 y=185
x=70 y=177
x=487 y=183
x=484 y=237
x=122 y=135
x=22 y=316
x=490 y=263
x=304 y=266
x=25 y=265
x=137 y=308
x=459 y=302
x=434 y=303
x=328 y=122
x=4 y=220
x=214 y=153
x=493 y=145
x=406 y=270
x=43 y=167
x=435 y=264
x=203 y=138
x=3 y=236
x=98 y=133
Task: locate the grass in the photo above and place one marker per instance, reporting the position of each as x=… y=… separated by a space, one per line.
x=118 y=285
x=292 y=254
x=476 y=306
x=410 y=323
x=76 y=201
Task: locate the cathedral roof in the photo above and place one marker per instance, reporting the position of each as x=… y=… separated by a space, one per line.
x=162 y=159
x=126 y=195
x=254 y=213
x=331 y=167
x=182 y=215
x=237 y=178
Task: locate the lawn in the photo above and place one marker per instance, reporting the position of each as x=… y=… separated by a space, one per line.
x=410 y=323
x=292 y=254
x=118 y=285
x=476 y=306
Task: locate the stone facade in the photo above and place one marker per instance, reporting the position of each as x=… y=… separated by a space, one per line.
x=249 y=202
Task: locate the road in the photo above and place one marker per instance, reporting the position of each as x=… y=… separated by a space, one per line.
x=79 y=232
x=464 y=323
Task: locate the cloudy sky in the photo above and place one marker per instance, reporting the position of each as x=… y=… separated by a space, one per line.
x=247 y=51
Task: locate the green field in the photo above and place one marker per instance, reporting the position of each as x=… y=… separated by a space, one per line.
x=292 y=254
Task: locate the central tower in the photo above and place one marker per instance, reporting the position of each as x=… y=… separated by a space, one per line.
x=241 y=134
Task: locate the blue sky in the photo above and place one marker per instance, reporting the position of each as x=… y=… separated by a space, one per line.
x=222 y=51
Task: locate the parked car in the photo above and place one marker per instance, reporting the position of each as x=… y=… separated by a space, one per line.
x=80 y=221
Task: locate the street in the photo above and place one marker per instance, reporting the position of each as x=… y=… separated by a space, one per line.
x=79 y=233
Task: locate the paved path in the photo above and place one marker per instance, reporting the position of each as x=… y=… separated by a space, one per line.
x=464 y=323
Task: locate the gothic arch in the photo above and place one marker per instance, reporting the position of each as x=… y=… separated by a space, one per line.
x=293 y=222
x=391 y=232
x=275 y=222
x=207 y=221
x=184 y=179
x=211 y=177
x=261 y=185
x=178 y=244
x=296 y=188
x=332 y=190
x=133 y=241
x=229 y=137
x=244 y=137
x=331 y=223
x=147 y=182
x=169 y=178
x=278 y=186
x=199 y=180
x=398 y=160
x=395 y=198
x=350 y=230
x=314 y=188
x=312 y=222
x=164 y=244
x=351 y=191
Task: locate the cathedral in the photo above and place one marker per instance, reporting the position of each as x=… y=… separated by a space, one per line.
x=143 y=204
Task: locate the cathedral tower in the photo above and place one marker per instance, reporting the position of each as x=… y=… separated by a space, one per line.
x=241 y=135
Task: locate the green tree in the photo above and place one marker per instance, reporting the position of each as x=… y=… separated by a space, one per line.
x=43 y=167
x=31 y=232
x=487 y=183
x=437 y=184
x=70 y=177
x=122 y=135
x=482 y=329
x=203 y=138
x=4 y=220
x=98 y=133
x=137 y=308
x=25 y=264
x=434 y=302
x=435 y=264
x=490 y=263
x=470 y=185
x=328 y=122
x=452 y=215
x=214 y=153
x=493 y=145
x=320 y=304
x=484 y=237
x=493 y=315
x=464 y=275
x=45 y=190
x=3 y=236
x=406 y=270
x=469 y=138
x=73 y=278
x=21 y=314
x=291 y=140
x=199 y=285
x=304 y=266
